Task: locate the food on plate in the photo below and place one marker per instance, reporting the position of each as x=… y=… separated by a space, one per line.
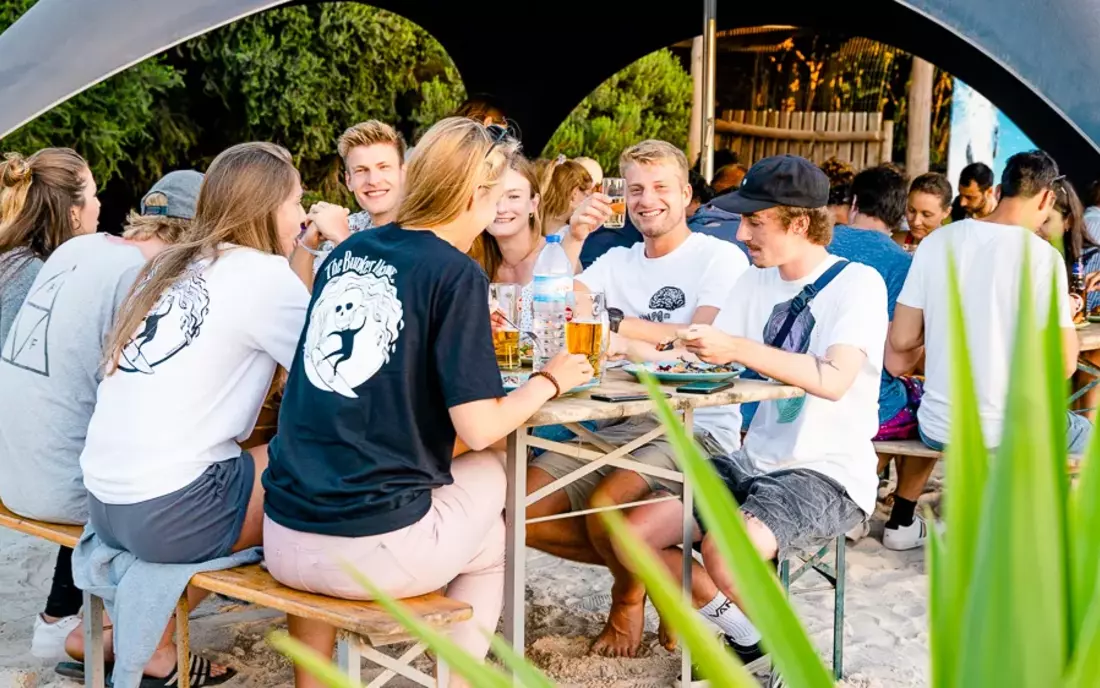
x=688 y=367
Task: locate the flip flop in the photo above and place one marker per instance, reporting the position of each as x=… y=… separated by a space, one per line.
x=200 y=675
x=75 y=670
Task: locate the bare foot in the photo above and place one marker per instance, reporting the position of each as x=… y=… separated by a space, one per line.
x=666 y=636
x=74 y=644
x=622 y=636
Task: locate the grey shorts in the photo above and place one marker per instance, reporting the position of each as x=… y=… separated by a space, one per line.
x=197 y=523
x=657 y=453
x=802 y=508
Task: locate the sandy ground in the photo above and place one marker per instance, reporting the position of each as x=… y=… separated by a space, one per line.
x=886 y=637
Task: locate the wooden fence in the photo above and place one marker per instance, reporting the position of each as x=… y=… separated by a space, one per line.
x=860 y=138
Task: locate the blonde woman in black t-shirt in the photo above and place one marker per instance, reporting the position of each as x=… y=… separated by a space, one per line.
x=395 y=364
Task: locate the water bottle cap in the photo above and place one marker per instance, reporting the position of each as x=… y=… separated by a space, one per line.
x=553 y=239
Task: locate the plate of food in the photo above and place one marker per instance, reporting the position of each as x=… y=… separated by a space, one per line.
x=685 y=371
x=514 y=380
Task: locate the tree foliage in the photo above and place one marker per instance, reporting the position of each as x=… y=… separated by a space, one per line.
x=297 y=76
x=649 y=99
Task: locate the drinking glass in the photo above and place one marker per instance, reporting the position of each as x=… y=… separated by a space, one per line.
x=588 y=329
x=615 y=187
x=504 y=302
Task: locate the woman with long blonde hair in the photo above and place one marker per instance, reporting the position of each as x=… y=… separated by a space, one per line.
x=397 y=364
x=568 y=183
x=189 y=362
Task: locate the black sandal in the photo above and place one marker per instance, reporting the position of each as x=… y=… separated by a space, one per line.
x=200 y=675
x=75 y=670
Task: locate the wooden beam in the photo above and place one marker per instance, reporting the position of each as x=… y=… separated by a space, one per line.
x=762 y=132
x=695 y=126
x=919 y=136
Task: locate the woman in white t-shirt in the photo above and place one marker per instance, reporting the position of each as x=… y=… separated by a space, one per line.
x=189 y=363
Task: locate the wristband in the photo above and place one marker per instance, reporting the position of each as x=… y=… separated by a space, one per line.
x=548 y=376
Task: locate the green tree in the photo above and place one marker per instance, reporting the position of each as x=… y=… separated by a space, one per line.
x=300 y=75
x=649 y=99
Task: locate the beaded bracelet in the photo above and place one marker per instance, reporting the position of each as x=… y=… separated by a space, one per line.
x=548 y=376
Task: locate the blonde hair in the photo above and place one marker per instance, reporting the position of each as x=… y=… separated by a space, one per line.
x=367 y=134
x=144 y=227
x=238 y=202
x=453 y=159
x=820 y=228
x=486 y=250
x=655 y=152
x=562 y=180
x=36 y=197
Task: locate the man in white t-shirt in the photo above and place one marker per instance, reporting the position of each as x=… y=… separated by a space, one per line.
x=672 y=279
x=989 y=257
x=806 y=472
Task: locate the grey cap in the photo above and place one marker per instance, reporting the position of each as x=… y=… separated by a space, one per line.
x=175 y=195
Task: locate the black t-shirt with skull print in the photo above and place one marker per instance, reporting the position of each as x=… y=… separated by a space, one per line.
x=397 y=333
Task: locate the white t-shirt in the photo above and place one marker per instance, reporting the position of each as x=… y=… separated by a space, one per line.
x=989 y=258
x=830 y=437
x=191 y=382
x=700 y=272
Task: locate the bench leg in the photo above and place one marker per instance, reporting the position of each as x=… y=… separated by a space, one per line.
x=183 y=641
x=347 y=656
x=838 y=608
x=94 y=669
x=398 y=666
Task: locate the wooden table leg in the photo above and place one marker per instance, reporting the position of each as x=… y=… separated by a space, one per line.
x=183 y=641
x=515 y=510
x=94 y=669
x=689 y=532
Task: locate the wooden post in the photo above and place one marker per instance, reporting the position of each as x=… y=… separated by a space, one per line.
x=695 y=128
x=920 y=117
x=710 y=58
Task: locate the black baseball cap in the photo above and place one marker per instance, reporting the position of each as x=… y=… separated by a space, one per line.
x=779 y=180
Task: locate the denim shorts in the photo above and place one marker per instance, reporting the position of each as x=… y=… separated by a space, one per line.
x=196 y=523
x=802 y=508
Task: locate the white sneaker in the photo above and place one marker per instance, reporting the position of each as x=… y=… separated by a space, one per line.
x=907 y=537
x=860 y=531
x=49 y=638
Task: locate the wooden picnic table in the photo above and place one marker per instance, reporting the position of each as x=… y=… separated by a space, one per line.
x=570 y=411
x=1089 y=336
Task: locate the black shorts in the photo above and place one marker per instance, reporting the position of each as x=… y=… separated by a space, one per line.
x=802 y=508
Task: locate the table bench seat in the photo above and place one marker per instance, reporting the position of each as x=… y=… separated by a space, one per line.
x=918 y=449
x=363 y=625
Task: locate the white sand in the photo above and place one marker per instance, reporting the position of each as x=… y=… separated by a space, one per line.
x=886 y=637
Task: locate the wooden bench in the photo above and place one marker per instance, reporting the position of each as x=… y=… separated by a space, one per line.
x=363 y=626
x=919 y=449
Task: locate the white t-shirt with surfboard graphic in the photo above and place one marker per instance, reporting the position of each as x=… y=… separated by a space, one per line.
x=192 y=380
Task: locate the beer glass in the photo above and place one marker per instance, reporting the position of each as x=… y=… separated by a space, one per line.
x=588 y=329
x=615 y=187
x=504 y=304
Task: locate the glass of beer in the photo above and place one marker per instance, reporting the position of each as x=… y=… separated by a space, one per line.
x=615 y=187
x=588 y=329
x=504 y=308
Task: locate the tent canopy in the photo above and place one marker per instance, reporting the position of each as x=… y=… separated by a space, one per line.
x=541 y=59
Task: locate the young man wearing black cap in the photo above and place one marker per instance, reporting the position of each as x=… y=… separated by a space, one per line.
x=806 y=470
